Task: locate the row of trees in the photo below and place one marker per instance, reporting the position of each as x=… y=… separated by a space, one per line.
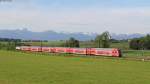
x=11 y=45
x=8 y=40
x=142 y=43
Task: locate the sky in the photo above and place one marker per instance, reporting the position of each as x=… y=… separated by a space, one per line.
x=88 y=16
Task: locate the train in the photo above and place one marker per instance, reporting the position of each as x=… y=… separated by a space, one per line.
x=111 y=52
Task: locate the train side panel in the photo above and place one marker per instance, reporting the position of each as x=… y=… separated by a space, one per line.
x=25 y=48
x=46 y=49
x=107 y=52
x=81 y=51
x=36 y=49
x=113 y=52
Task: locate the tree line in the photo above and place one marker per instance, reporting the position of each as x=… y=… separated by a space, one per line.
x=9 y=39
x=10 y=45
x=142 y=43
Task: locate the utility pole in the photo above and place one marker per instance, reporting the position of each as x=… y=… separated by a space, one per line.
x=41 y=45
x=99 y=43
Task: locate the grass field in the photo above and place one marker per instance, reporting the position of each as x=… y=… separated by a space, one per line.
x=27 y=68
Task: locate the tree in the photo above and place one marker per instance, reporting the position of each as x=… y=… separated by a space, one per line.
x=72 y=42
x=135 y=44
x=140 y=43
x=103 y=40
x=1 y=46
x=146 y=43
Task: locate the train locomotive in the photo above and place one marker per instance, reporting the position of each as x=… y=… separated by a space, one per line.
x=112 y=52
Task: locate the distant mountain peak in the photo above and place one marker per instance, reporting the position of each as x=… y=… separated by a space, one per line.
x=25 y=34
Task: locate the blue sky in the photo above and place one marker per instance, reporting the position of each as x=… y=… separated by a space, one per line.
x=116 y=16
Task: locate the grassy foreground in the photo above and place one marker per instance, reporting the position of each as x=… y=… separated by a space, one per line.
x=23 y=68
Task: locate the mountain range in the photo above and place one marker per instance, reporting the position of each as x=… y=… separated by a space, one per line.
x=25 y=34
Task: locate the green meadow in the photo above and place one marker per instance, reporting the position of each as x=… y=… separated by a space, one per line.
x=34 y=68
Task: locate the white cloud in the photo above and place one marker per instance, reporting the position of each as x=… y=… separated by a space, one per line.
x=83 y=20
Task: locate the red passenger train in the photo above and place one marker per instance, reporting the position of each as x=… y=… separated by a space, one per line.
x=112 y=52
